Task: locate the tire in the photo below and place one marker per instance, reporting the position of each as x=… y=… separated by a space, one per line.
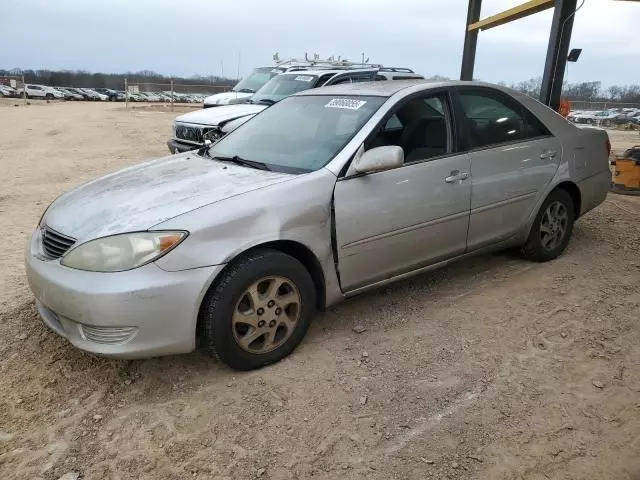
x=535 y=249
x=229 y=295
x=49 y=96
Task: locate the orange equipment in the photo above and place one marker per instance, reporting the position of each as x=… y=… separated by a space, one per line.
x=565 y=108
x=626 y=179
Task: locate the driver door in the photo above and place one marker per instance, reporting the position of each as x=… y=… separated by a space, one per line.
x=396 y=221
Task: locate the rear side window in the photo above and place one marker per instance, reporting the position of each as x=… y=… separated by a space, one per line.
x=354 y=78
x=492 y=119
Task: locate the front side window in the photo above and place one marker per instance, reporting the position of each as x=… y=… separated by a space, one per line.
x=492 y=120
x=300 y=133
x=420 y=127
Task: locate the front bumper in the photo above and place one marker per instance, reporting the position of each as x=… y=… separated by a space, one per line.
x=178 y=147
x=139 y=313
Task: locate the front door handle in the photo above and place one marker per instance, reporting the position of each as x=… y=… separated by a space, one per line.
x=456 y=176
x=547 y=154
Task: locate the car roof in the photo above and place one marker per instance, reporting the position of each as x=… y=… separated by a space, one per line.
x=387 y=88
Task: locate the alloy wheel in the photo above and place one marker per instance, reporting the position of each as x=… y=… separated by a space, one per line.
x=553 y=226
x=266 y=314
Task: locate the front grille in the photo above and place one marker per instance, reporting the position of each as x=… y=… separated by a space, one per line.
x=54 y=243
x=189 y=133
x=107 y=335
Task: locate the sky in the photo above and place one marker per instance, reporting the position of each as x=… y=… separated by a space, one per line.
x=210 y=37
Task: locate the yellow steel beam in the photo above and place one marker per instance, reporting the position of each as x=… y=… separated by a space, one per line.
x=521 y=11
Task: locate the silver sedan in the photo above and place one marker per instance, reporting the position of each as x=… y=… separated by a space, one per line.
x=327 y=194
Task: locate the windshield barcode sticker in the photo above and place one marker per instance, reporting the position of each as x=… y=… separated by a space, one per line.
x=303 y=78
x=345 y=103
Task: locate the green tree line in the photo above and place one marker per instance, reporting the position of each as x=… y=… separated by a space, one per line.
x=584 y=91
x=84 y=79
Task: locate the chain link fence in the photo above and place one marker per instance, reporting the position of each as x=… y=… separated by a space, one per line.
x=606 y=114
x=600 y=105
x=169 y=93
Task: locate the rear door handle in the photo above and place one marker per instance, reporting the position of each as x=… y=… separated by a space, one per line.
x=548 y=154
x=456 y=176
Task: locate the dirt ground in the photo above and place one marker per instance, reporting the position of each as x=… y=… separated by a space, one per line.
x=493 y=368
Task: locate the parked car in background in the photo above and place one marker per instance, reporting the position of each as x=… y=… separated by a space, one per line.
x=244 y=88
x=93 y=95
x=80 y=93
x=41 y=91
x=112 y=95
x=192 y=129
x=68 y=94
x=329 y=193
x=153 y=97
x=7 y=91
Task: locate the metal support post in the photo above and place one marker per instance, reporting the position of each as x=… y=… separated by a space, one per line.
x=172 y=94
x=126 y=94
x=470 y=41
x=557 y=51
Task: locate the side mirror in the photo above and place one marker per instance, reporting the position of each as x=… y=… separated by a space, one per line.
x=378 y=159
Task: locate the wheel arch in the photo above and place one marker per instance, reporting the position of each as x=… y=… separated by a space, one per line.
x=574 y=192
x=297 y=250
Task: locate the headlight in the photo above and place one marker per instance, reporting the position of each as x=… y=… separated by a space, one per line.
x=122 y=252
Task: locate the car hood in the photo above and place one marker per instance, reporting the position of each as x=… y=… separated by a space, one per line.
x=216 y=116
x=224 y=97
x=139 y=197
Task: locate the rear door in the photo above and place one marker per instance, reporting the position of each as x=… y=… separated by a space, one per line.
x=513 y=158
x=392 y=222
x=35 y=91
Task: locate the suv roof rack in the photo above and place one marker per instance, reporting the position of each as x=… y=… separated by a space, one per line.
x=316 y=61
x=396 y=69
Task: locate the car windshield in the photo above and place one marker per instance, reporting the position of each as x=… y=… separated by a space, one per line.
x=255 y=80
x=283 y=86
x=300 y=133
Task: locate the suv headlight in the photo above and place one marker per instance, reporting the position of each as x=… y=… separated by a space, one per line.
x=122 y=252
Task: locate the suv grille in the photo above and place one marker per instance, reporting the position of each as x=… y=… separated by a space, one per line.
x=55 y=244
x=189 y=133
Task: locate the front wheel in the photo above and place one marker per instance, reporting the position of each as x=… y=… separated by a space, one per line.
x=259 y=310
x=551 y=230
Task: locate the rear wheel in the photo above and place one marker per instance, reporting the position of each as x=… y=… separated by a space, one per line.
x=259 y=310
x=552 y=228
